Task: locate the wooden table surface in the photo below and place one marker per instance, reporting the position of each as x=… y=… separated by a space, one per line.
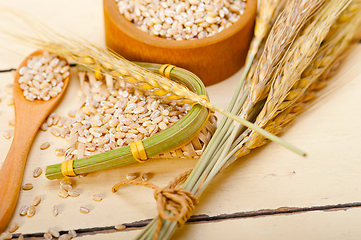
x=269 y=194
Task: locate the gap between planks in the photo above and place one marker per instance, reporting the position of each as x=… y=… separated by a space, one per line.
x=205 y=218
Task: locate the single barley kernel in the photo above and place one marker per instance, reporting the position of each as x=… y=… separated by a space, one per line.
x=73 y=193
x=31 y=211
x=6 y=235
x=145 y=176
x=59 y=152
x=13 y=227
x=45 y=145
x=72 y=113
x=37 y=172
x=23 y=210
x=7 y=134
x=55 y=211
x=44 y=126
x=62 y=193
x=120 y=227
x=132 y=176
x=61 y=121
x=66 y=181
x=53 y=232
x=36 y=200
x=12 y=122
x=72 y=233
x=49 y=121
x=162 y=125
x=84 y=209
x=65 y=237
x=27 y=186
x=56 y=119
x=66 y=187
x=21 y=237
x=55 y=132
x=97 y=198
x=10 y=101
x=65 y=132
x=48 y=236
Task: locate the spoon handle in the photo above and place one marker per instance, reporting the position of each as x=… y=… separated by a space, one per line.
x=12 y=170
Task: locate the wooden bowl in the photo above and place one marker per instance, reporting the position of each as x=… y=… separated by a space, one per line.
x=212 y=59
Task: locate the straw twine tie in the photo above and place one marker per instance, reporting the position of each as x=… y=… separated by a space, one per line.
x=173 y=202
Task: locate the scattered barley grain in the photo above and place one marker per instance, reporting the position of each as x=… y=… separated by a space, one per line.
x=13 y=227
x=48 y=236
x=53 y=232
x=65 y=237
x=120 y=227
x=84 y=209
x=7 y=134
x=72 y=233
x=6 y=235
x=37 y=172
x=36 y=200
x=27 y=186
x=62 y=193
x=23 y=210
x=97 y=198
x=31 y=211
x=132 y=176
x=12 y=122
x=55 y=211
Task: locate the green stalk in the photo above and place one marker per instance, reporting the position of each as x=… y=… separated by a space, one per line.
x=219 y=134
x=260 y=130
x=220 y=145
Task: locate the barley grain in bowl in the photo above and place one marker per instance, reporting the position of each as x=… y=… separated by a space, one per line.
x=182 y=19
x=214 y=51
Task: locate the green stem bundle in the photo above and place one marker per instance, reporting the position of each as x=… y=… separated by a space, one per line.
x=222 y=150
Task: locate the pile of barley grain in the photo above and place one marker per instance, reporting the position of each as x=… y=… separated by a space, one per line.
x=182 y=19
x=114 y=117
x=43 y=77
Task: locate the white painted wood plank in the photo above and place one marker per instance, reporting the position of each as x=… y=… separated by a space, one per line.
x=270 y=177
x=82 y=18
x=332 y=225
x=265 y=179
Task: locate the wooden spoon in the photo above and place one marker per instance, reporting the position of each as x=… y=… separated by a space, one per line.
x=28 y=118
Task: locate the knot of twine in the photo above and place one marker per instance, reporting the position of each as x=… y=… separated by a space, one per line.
x=173 y=202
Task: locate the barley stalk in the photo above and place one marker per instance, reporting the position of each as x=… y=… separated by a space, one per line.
x=196 y=183
x=311 y=81
x=345 y=18
x=211 y=162
x=94 y=57
x=282 y=121
x=282 y=35
x=298 y=58
x=267 y=14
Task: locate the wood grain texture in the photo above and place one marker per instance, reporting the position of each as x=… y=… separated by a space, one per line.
x=212 y=59
x=83 y=18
